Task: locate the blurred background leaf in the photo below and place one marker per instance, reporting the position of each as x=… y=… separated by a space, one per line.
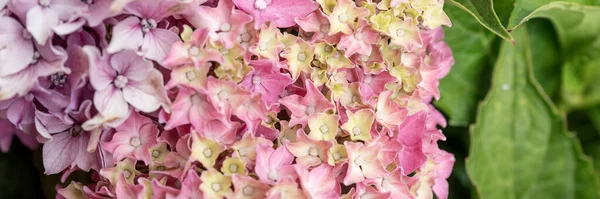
x=545 y=55
x=466 y=84
x=578 y=32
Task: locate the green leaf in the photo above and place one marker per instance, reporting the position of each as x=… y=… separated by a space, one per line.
x=503 y=10
x=483 y=11
x=520 y=147
x=524 y=8
x=462 y=88
x=576 y=24
x=578 y=31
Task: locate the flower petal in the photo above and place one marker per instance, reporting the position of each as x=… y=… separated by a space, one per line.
x=111 y=103
x=157 y=43
x=127 y=34
x=147 y=95
x=60 y=152
x=40 y=22
x=103 y=73
x=16 y=51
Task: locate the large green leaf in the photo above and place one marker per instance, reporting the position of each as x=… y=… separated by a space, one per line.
x=462 y=88
x=520 y=147
x=483 y=11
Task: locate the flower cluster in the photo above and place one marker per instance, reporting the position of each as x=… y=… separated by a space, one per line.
x=229 y=98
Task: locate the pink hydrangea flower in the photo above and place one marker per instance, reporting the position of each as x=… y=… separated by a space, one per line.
x=363 y=162
x=274 y=165
x=267 y=80
x=192 y=51
x=360 y=41
x=133 y=139
x=318 y=182
x=142 y=30
x=303 y=107
x=308 y=152
x=123 y=80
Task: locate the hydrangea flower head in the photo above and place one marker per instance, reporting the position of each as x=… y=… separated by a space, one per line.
x=229 y=98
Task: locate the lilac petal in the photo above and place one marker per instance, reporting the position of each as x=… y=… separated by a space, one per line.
x=47 y=124
x=16 y=52
x=18 y=84
x=133 y=123
x=148 y=95
x=78 y=63
x=102 y=32
x=127 y=34
x=66 y=8
x=157 y=44
x=40 y=22
x=60 y=152
x=28 y=139
x=53 y=101
x=86 y=160
x=20 y=7
x=156 y=9
x=98 y=11
x=68 y=28
x=3 y=3
x=104 y=74
x=110 y=103
x=79 y=39
x=82 y=113
x=22 y=82
x=99 y=121
x=130 y=65
x=20 y=112
x=118 y=5
x=51 y=52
